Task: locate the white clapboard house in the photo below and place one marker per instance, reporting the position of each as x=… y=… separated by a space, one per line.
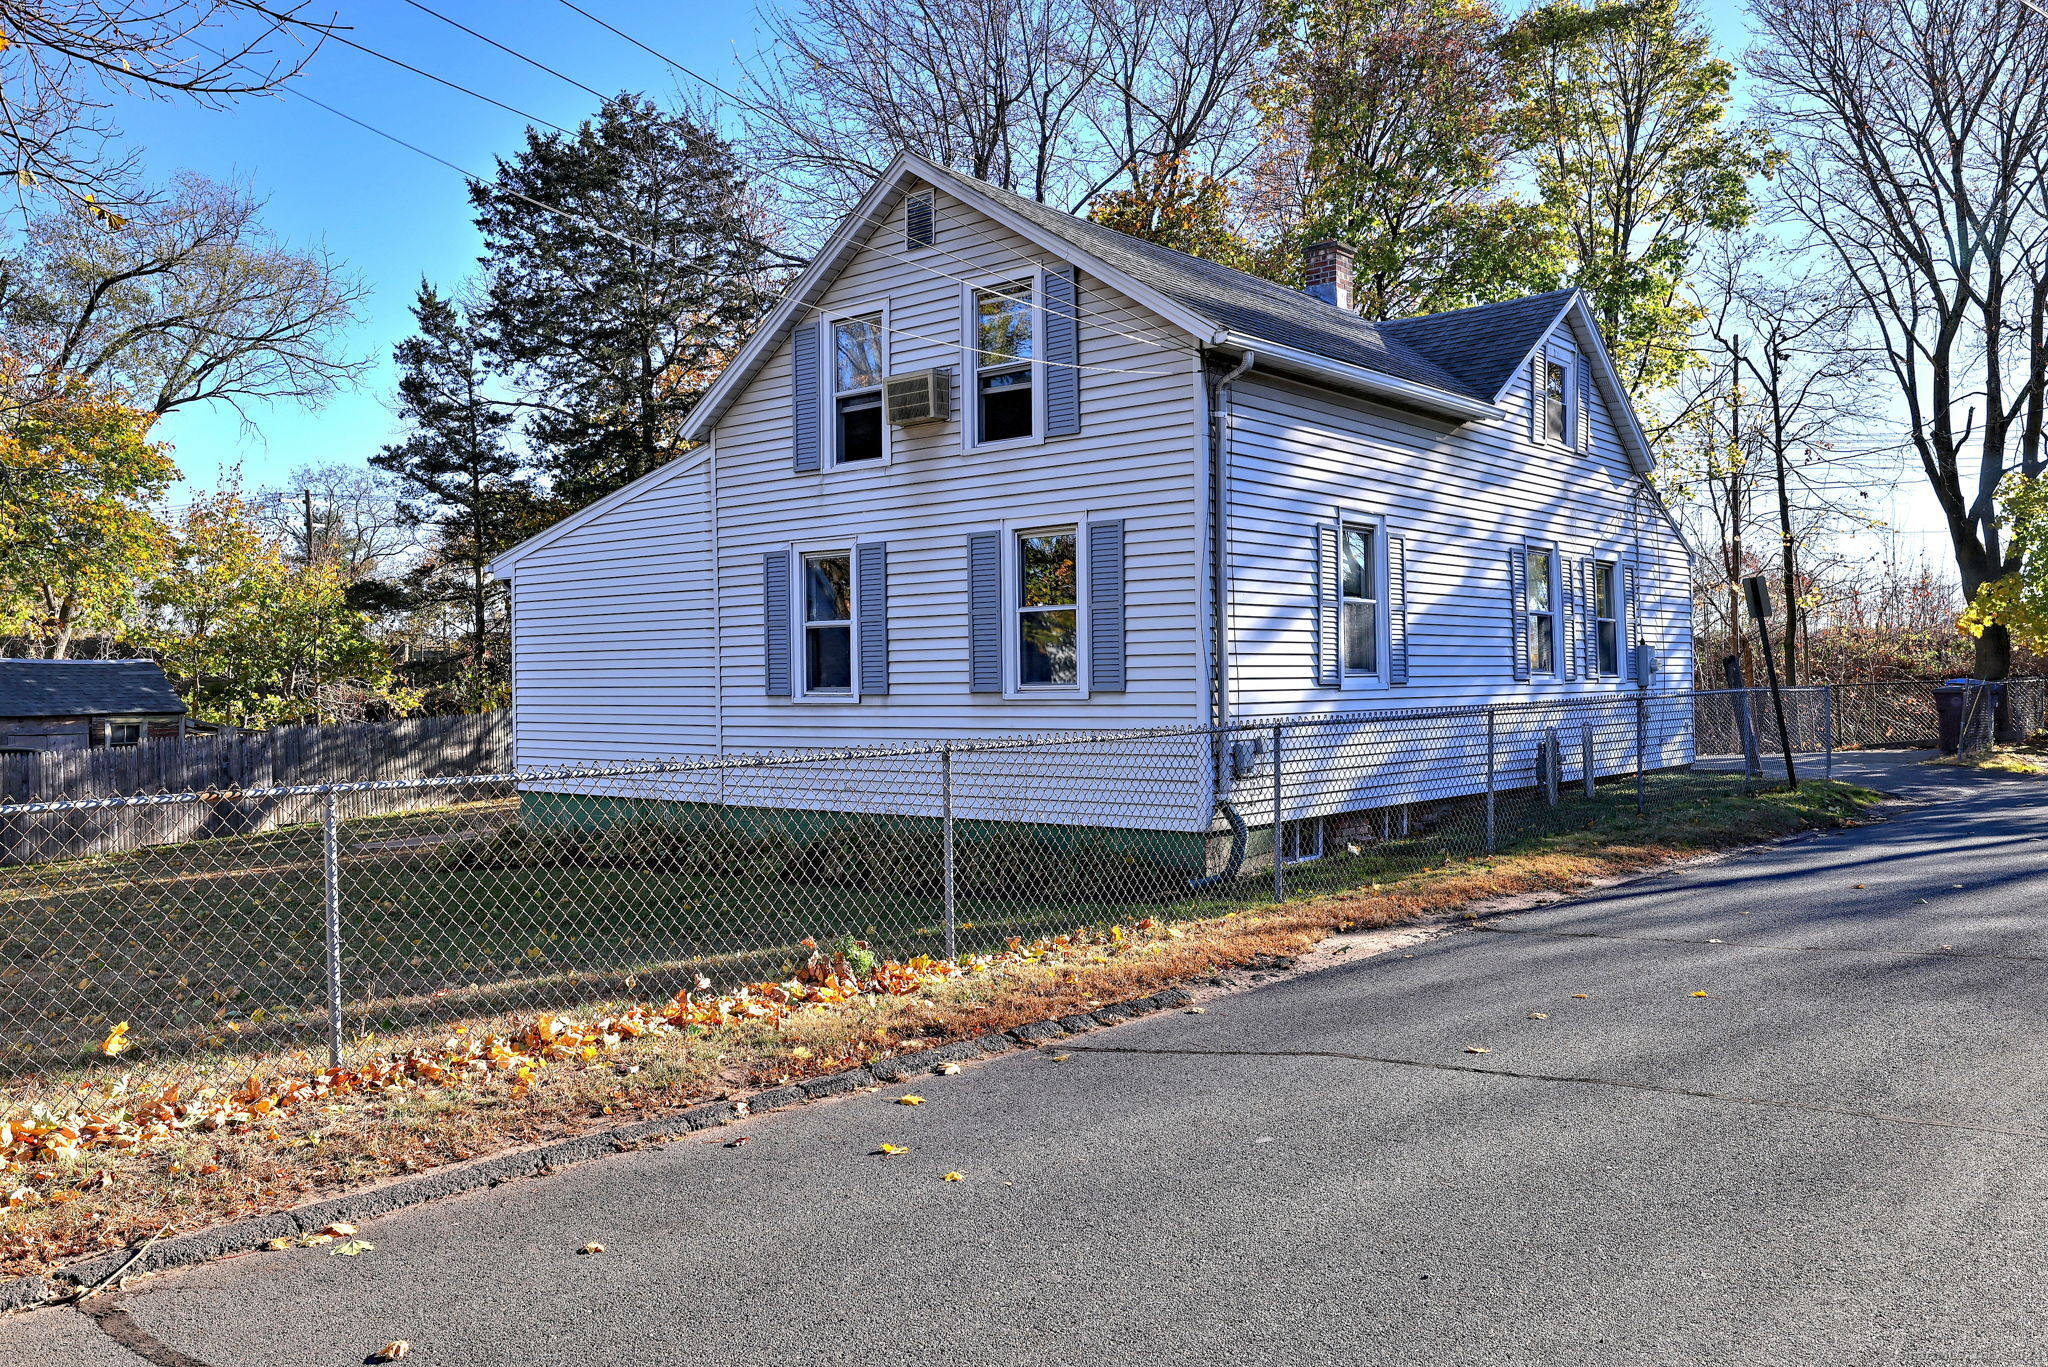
x=989 y=470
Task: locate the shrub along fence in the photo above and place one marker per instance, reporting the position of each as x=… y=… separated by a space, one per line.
x=285 y=758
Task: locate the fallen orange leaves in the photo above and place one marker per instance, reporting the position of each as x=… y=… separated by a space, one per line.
x=43 y=1135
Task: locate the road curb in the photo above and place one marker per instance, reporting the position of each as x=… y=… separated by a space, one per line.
x=245 y=1236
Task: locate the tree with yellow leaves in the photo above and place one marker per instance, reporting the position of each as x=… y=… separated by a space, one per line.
x=2018 y=600
x=78 y=478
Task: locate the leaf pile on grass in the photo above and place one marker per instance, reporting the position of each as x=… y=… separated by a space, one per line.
x=2030 y=758
x=95 y=1178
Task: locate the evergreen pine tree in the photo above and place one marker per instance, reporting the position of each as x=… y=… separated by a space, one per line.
x=616 y=304
x=459 y=476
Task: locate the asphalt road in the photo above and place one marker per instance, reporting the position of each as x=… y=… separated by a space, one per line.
x=1838 y=1155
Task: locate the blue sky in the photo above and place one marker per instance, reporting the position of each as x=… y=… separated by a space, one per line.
x=391 y=215
x=394 y=216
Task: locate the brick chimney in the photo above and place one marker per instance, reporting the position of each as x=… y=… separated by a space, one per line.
x=1329 y=272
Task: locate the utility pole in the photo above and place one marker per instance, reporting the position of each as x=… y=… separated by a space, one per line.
x=1759 y=594
x=319 y=707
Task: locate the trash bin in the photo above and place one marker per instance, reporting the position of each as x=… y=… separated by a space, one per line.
x=1951 y=704
x=1980 y=719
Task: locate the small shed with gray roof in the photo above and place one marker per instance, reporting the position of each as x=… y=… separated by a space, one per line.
x=86 y=704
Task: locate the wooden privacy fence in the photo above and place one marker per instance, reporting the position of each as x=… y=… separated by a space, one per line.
x=420 y=747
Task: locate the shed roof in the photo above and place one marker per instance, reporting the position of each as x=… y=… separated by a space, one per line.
x=85 y=688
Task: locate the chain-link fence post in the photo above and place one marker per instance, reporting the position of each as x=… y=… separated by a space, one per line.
x=1279 y=819
x=946 y=849
x=1642 y=744
x=331 y=879
x=1489 y=780
x=1827 y=728
x=1586 y=755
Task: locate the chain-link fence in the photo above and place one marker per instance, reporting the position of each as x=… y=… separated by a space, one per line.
x=592 y=888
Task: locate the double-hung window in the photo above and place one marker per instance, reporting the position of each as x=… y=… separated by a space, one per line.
x=1359 y=630
x=1607 y=616
x=1542 y=608
x=828 y=622
x=1048 y=612
x=1005 y=350
x=857 y=366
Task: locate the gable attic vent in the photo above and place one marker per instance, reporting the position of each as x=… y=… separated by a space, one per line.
x=919 y=396
x=920 y=219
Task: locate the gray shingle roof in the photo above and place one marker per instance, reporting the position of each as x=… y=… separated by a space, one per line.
x=1472 y=351
x=84 y=688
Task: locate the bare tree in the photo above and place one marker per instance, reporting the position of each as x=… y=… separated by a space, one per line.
x=63 y=62
x=356 y=520
x=1918 y=132
x=192 y=302
x=1055 y=99
x=1803 y=393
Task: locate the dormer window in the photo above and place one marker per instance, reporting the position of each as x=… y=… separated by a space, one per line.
x=1005 y=347
x=1555 y=417
x=857 y=366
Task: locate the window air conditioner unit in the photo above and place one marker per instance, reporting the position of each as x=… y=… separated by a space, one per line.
x=920 y=396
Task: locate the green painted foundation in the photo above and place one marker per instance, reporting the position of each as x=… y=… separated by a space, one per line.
x=1181 y=850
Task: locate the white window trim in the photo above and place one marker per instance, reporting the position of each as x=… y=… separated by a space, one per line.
x=1570 y=360
x=970 y=363
x=828 y=391
x=800 y=643
x=107 y=725
x=1013 y=529
x=1557 y=635
x=1299 y=823
x=1383 y=631
x=1617 y=569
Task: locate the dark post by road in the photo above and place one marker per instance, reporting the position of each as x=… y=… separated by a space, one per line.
x=1745 y=722
x=1759 y=594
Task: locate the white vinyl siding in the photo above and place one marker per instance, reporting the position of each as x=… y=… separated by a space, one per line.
x=612 y=625
x=1136 y=458
x=1461 y=499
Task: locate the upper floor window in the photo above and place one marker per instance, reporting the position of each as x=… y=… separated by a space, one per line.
x=1542 y=610
x=1048 y=609
x=1607 y=616
x=1360 y=631
x=1555 y=415
x=828 y=622
x=857 y=366
x=1005 y=345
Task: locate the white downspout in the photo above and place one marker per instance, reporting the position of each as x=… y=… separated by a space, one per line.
x=1219 y=540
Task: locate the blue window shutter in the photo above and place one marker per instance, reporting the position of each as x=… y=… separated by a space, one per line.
x=806 y=412
x=1106 y=606
x=1518 y=610
x=985 y=612
x=1062 y=352
x=775 y=620
x=1632 y=613
x=871 y=613
x=1574 y=624
x=1585 y=432
x=1397 y=610
x=1329 y=588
